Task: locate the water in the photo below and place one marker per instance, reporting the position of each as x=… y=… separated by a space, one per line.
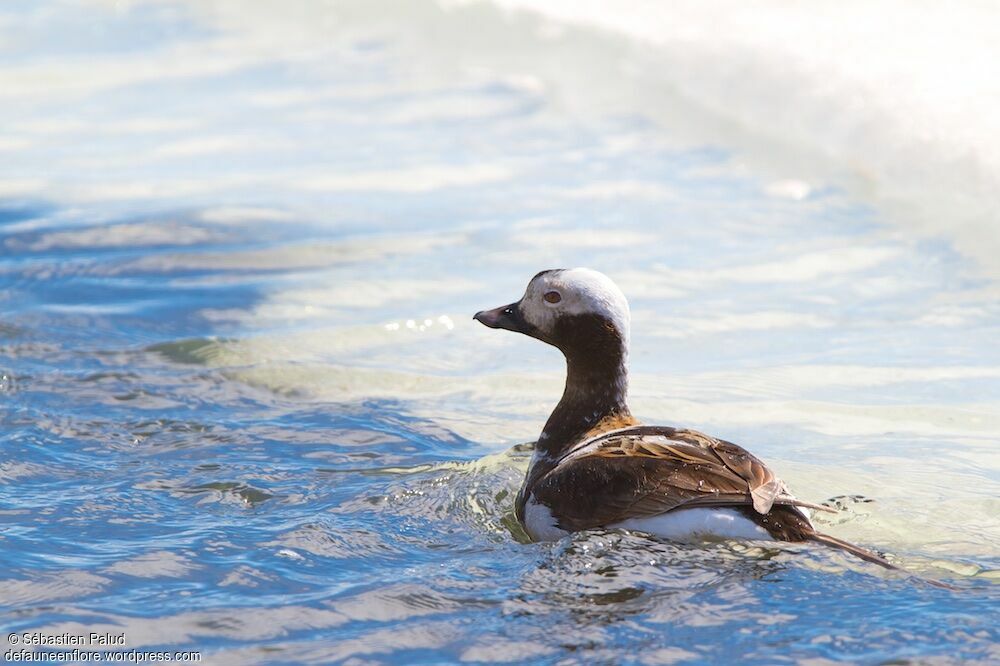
x=246 y=411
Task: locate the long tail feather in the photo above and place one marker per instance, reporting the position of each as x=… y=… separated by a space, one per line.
x=875 y=558
x=863 y=553
x=794 y=501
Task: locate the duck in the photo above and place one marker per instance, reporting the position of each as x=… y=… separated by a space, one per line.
x=596 y=466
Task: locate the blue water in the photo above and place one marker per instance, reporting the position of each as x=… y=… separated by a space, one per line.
x=245 y=410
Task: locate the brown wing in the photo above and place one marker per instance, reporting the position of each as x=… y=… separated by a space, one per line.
x=647 y=470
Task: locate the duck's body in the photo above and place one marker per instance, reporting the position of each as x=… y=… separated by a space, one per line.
x=678 y=484
x=595 y=465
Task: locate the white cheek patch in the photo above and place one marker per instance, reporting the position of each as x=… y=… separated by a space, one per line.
x=535 y=310
x=583 y=291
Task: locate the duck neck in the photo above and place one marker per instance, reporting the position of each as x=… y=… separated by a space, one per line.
x=595 y=397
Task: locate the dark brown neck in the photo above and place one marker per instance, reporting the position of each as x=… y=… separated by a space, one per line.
x=594 y=393
x=596 y=382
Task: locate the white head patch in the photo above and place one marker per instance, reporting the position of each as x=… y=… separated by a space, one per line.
x=580 y=291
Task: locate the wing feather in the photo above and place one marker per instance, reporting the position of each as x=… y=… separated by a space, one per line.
x=649 y=470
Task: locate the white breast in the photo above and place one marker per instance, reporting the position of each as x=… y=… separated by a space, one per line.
x=680 y=525
x=693 y=524
x=540 y=523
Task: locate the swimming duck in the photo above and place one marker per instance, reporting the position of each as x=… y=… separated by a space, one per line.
x=595 y=465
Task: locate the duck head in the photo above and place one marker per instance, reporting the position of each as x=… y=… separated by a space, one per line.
x=578 y=310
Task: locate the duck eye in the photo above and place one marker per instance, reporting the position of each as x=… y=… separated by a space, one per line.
x=552 y=297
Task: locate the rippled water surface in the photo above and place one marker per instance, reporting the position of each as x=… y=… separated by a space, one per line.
x=245 y=409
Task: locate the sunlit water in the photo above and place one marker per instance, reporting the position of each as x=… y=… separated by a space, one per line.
x=246 y=411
